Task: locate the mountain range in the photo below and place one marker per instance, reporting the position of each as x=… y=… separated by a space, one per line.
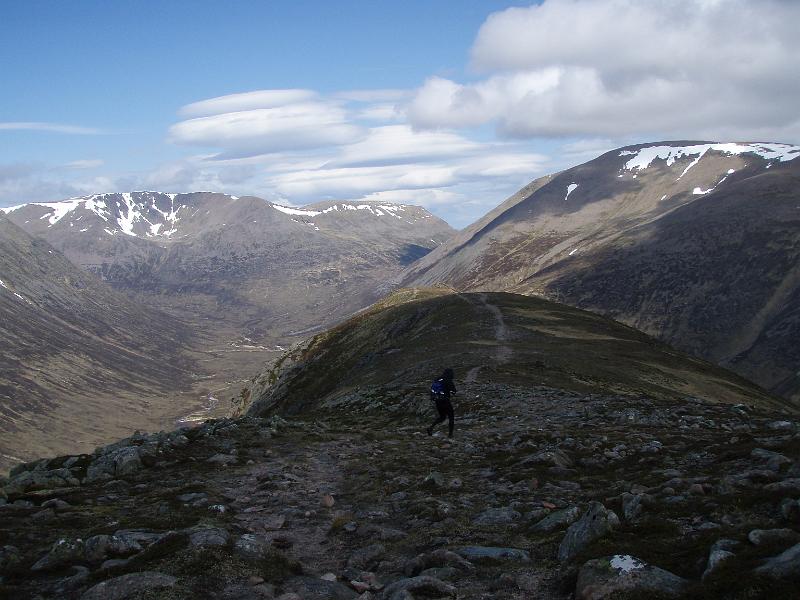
x=229 y=281
x=696 y=243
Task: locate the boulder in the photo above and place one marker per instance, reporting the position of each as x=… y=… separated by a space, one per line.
x=97 y=548
x=557 y=520
x=223 y=459
x=596 y=523
x=426 y=586
x=28 y=481
x=632 y=506
x=313 y=588
x=129 y=586
x=790 y=509
x=9 y=558
x=760 y=537
x=626 y=576
x=785 y=565
x=497 y=516
x=476 y=553
x=555 y=458
x=208 y=537
x=64 y=552
x=367 y=558
x=252 y=547
x=434 y=481
x=119 y=462
x=439 y=558
x=720 y=552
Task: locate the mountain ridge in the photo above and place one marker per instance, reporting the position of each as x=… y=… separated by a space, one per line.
x=585 y=246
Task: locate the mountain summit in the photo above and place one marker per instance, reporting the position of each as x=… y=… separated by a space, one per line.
x=696 y=243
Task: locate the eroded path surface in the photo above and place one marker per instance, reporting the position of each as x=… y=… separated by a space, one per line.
x=504 y=352
x=363 y=504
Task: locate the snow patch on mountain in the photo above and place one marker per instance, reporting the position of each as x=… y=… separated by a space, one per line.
x=379 y=210
x=644 y=157
x=570 y=188
x=296 y=211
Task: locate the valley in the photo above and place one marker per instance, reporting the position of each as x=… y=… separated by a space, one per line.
x=224 y=284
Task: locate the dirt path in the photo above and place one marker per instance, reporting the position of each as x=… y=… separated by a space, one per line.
x=504 y=351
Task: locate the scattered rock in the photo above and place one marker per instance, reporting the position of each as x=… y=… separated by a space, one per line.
x=597 y=522
x=617 y=575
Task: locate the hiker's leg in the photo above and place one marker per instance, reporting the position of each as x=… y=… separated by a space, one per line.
x=440 y=419
x=452 y=418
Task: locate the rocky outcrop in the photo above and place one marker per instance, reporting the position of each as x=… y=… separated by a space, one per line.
x=596 y=522
x=621 y=575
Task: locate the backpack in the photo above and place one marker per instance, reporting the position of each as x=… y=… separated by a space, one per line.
x=437 y=388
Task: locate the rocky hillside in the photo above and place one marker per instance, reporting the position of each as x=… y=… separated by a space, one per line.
x=250 y=277
x=591 y=475
x=695 y=243
x=79 y=363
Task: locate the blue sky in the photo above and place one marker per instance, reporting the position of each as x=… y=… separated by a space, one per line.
x=450 y=104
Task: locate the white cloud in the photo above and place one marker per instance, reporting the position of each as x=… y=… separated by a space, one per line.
x=345 y=146
x=49 y=127
x=265 y=130
x=246 y=101
x=399 y=144
x=613 y=68
x=85 y=164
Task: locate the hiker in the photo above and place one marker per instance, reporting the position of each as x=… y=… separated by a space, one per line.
x=441 y=389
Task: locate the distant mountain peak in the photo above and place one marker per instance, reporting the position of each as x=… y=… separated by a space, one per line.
x=165 y=217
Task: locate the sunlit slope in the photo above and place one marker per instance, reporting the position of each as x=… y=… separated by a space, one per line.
x=392 y=351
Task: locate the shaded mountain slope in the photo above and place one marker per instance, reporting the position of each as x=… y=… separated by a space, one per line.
x=694 y=243
x=398 y=345
x=576 y=489
x=79 y=363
